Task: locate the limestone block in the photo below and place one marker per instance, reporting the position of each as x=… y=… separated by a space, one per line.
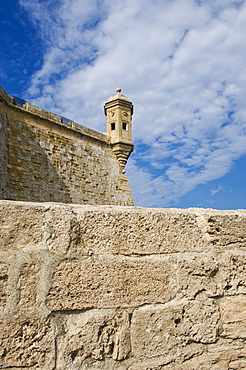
x=224 y=354
x=26 y=344
x=232 y=273
x=60 y=229
x=233 y=316
x=157 y=329
x=197 y=363
x=221 y=355
x=92 y=335
x=111 y=282
x=228 y=231
x=3 y=283
x=196 y=274
x=238 y=364
x=141 y=232
x=27 y=286
x=202 y=362
x=47 y=227
x=226 y=350
x=21 y=225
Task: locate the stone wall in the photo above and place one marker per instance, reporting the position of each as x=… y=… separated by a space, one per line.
x=107 y=287
x=4 y=185
x=45 y=160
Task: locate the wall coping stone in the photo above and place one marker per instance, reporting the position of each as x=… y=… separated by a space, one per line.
x=54 y=118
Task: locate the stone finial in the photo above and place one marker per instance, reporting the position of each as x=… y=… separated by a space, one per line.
x=118 y=90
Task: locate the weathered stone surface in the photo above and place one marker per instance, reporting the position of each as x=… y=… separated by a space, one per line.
x=3 y=283
x=27 y=285
x=94 y=335
x=4 y=183
x=60 y=230
x=160 y=232
x=157 y=329
x=227 y=231
x=233 y=316
x=26 y=344
x=110 y=282
x=197 y=274
x=20 y=225
x=120 y=288
x=231 y=275
x=216 y=356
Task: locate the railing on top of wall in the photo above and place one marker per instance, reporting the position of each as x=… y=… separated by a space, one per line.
x=21 y=102
x=18 y=101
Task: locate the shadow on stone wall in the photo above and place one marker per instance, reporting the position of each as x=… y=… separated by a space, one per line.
x=32 y=176
x=4 y=187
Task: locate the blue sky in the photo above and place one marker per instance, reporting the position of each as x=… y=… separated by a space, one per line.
x=181 y=62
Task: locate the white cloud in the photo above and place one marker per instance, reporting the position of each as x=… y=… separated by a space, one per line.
x=181 y=62
x=216 y=190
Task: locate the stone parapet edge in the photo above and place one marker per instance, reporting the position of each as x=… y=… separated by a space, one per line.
x=43 y=114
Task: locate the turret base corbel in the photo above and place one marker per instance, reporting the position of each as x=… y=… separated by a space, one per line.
x=122 y=152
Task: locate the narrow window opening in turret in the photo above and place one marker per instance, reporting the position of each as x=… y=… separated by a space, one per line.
x=113 y=126
x=124 y=126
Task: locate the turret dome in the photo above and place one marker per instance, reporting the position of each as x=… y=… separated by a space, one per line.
x=118 y=96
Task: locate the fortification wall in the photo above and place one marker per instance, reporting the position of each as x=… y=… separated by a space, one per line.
x=45 y=160
x=4 y=185
x=106 y=287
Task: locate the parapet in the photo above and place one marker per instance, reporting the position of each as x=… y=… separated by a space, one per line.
x=55 y=118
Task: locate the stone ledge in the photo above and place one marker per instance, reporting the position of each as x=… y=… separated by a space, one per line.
x=110 y=287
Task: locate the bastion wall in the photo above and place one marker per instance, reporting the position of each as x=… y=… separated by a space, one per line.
x=109 y=287
x=42 y=159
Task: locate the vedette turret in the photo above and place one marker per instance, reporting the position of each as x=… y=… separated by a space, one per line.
x=118 y=111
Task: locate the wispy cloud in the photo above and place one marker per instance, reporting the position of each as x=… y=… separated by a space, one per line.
x=181 y=62
x=216 y=190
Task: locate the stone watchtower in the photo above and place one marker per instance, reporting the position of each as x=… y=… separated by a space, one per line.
x=118 y=111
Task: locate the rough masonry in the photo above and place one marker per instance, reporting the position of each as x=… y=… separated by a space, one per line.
x=43 y=159
x=107 y=287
